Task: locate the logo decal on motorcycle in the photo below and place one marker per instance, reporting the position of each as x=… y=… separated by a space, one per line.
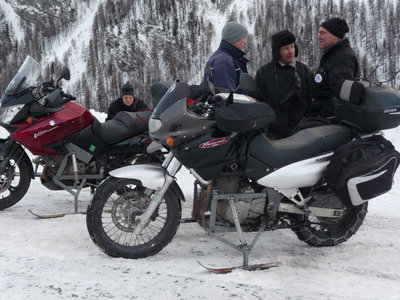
x=40 y=133
x=52 y=123
x=11 y=84
x=215 y=143
x=337 y=213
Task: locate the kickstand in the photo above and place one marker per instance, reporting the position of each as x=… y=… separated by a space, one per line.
x=243 y=246
x=74 y=191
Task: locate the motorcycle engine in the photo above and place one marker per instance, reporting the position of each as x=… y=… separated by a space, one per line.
x=248 y=210
x=51 y=165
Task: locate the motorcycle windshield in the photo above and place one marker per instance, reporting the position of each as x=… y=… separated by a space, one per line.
x=26 y=76
x=175 y=93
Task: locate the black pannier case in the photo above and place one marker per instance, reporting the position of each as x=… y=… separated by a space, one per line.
x=362 y=169
x=379 y=110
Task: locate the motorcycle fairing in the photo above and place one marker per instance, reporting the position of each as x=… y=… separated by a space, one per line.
x=50 y=129
x=299 y=174
x=190 y=150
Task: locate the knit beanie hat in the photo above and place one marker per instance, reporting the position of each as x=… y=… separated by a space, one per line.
x=127 y=89
x=280 y=39
x=233 y=32
x=338 y=27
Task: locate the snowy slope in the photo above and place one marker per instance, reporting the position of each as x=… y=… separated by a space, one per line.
x=56 y=259
x=13 y=19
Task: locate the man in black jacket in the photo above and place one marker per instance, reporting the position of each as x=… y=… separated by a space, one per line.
x=338 y=63
x=127 y=102
x=284 y=84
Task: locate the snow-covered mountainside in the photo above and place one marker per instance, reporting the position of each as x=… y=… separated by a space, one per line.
x=105 y=43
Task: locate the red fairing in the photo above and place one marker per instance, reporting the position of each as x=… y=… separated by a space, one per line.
x=52 y=128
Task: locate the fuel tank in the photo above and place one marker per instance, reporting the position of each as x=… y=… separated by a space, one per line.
x=52 y=128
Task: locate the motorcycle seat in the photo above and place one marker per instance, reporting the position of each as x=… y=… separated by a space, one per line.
x=302 y=145
x=123 y=126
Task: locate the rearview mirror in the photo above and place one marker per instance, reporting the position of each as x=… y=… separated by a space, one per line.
x=65 y=74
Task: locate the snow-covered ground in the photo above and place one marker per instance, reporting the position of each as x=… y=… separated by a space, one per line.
x=56 y=259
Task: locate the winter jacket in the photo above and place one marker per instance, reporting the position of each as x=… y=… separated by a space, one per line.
x=338 y=63
x=226 y=64
x=118 y=105
x=287 y=90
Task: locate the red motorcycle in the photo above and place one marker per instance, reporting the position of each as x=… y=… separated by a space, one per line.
x=73 y=147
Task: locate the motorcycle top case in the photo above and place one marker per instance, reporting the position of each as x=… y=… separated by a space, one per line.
x=243 y=117
x=362 y=169
x=379 y=110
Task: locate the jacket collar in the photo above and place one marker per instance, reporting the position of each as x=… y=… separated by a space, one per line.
x=290 y=64
x=342 y=43
x=232 y=50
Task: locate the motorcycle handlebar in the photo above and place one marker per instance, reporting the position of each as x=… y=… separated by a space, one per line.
x=67 y=97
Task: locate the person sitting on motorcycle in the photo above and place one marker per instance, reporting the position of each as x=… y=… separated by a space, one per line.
x=127 y=102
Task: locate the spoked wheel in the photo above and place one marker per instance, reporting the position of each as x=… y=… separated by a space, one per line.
x=14 y=182
x=112 y=215
x=321 y=232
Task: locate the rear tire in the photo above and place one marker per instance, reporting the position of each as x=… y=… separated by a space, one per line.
x=14 y=181
x=322 y=232
x=112 y=213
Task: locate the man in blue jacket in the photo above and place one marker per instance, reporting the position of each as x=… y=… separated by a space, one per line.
x=227 y=63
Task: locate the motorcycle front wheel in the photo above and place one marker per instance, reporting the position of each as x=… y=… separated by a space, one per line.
x=113 y=212
x=14 y=181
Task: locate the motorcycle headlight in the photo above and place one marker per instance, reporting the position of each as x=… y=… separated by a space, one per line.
x=154 y=125
x=8 y=113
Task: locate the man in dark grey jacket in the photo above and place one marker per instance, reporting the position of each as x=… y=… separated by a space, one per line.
x=338 y=63
x=285 y=84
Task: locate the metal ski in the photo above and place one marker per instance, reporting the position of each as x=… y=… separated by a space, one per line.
x=246 y=268
x=55 y=215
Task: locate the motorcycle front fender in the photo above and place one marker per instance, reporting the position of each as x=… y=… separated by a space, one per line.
x=151 y=176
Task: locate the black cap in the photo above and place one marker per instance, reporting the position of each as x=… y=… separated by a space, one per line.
x=280 y=39
x=338 y=27
x=127 y=89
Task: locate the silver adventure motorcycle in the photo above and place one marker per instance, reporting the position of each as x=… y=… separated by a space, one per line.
x=244 y=181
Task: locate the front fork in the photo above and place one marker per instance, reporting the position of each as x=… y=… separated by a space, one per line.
x=9 y=149
x=172 y=166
